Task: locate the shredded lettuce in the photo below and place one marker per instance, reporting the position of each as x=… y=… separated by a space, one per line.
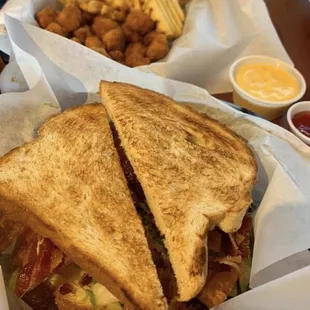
x=13 y=279
x=92 y=298
x=245 y=275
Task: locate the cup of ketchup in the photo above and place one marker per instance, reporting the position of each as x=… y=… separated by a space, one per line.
x=298 y=117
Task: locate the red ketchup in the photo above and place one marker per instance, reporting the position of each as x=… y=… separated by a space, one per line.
x=302 y=122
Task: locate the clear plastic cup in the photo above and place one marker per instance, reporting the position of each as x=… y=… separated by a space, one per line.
x=268 y=109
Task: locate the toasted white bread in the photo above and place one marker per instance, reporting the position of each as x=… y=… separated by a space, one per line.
x=195 y=173
x=67 y=185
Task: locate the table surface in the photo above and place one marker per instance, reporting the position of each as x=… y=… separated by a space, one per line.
x=291 y=19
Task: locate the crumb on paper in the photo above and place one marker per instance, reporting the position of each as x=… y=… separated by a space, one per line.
x=52 y=105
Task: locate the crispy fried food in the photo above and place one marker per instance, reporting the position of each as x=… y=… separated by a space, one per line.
x=56 y=28
x=218 y=287
x=9 y=230
x=226 y=254
x=92 y=6
x=130 y=35
x=158 y=48
x=82 y=33
x=94 y=43
x=45 y=17
x=168 y=14
x=135 y=55
x=154 y=35
x=117 y=56
x=125 y=4
x=87 y=18
x=139 y=22
x=70 y=18
x=114 y=40
x=102 y=25
x=77 y=40
x=136 y=60
x=118 y=16
x=136 y=48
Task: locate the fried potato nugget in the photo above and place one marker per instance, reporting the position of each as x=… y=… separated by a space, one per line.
x=136 y=48
x=154 y=35
x=102 y=25
x=114 y=40
x=70 y=18
x=139 y=22
x=45 y=17
x=94 y=43
x=87 y=18
x=82 y=33
x=77 y=40
x=130 y=35
x=158 y=47
x=117 y=56
x=135 y=55
x=56 y=28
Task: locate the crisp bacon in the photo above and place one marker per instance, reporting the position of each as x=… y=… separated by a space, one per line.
x=36 y=258
x=226 y=253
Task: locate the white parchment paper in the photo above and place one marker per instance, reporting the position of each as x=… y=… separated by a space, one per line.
x=216 y=33
x=282 y=224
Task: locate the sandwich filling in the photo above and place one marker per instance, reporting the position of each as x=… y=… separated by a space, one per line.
x=45 y=278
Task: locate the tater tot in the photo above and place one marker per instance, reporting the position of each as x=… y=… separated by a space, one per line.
x=114 y=40
x=93 y=41
x=157 y=50
x=45 y=17
x=139 y=22
x=154 y=35
x=82 y=33
x=136 y=48
x=135 y=55
x=117 y=56
x=135 y=60
x=70 y=18
x=56 y=28
x=77 y=40
x=102 y=25
x=87 y=18
x=130 y=35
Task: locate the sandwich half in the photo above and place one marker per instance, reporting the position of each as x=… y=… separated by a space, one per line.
x=195 y=174
x=67 y=186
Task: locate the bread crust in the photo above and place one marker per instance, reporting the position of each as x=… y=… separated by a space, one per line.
x=67 y=185
x=195 y=173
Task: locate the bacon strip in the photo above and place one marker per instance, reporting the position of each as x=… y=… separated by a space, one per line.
x=226 y=253
x=36 y=258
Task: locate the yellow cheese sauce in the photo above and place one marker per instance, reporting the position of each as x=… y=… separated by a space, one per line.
x=267 y=82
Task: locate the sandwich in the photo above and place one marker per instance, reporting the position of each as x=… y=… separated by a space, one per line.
x=194 y=172
x=147 y=211
x=84 y=238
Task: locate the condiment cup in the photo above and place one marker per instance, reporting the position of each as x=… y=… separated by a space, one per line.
x=268 y=109
x=293 y=110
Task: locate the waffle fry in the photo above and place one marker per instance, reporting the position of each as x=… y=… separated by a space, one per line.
x=168 y=15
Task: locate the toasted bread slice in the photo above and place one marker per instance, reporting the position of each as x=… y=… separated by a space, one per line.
x=67 y=185
x=195 y=173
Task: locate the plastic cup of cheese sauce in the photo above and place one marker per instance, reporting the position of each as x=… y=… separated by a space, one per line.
x=265 y=85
